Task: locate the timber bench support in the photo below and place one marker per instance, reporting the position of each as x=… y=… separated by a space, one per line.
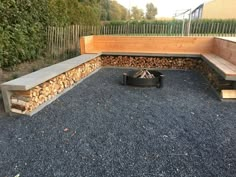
x=32 y=92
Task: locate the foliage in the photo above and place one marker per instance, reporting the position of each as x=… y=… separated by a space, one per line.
x=57 y=12
x=82 y=12
x=214 y=26
x=112 y=11
x=23 y=25
x=176 y=21
x=151 y=11
x=22 y=30
x=105 y=10
x=117 y=11
x=86 y=14
x=136 y=13
x=174 y=27
x=144 y=21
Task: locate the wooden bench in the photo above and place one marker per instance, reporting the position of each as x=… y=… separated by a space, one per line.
x=226 y=69
x=219 y=54
x=43 y=81
x=222 y=66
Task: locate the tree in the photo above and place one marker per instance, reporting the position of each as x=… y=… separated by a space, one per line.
x=117 y=11
x=136 y=13
x=82 y=12
x=57 y=12
x=112 y=10
x=105 y=10
x=151 y=11
x=22 y=30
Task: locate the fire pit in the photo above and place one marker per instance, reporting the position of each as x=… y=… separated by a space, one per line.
x=143 y=78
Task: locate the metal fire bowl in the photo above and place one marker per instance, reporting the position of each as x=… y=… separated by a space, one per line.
x=128 y=79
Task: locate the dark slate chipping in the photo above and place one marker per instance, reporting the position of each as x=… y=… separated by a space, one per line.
x=180 y=130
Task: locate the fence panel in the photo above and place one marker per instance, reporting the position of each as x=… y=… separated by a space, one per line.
x=63 y=42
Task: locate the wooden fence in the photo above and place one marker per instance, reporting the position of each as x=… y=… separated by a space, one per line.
x=63 y=42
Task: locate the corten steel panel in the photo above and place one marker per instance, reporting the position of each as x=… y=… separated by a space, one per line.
x=150 y=44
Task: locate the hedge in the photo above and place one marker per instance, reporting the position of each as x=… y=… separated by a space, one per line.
x=22 y=30
x=23 y=25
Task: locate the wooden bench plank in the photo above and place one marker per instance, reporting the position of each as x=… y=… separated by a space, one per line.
x=231 y=39
x=228 y=94
x=222 y=61
x=225 y=68
x=228 y=65
x=155 y=54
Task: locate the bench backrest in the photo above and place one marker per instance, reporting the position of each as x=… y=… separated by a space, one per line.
x=146 y=44
x=222 y=47
x=225 y=48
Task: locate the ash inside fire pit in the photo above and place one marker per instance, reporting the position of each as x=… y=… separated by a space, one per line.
x=143 y=78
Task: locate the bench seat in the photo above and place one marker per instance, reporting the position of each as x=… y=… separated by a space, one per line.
x=33 y=79
x=40 y=83
x=222 y=66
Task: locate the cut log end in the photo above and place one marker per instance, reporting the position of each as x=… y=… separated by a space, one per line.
x=143 y=73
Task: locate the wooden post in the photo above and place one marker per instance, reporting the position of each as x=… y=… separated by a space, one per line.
x=82 y=45
x=189 y=23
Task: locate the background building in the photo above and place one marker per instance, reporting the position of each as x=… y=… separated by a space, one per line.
x=216 y=9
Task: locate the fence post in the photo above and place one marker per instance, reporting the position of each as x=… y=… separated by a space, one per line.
x=189 y=22
x=183 y=26
x=144 y=31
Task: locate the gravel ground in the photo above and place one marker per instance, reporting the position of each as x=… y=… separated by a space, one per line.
x=101 y=128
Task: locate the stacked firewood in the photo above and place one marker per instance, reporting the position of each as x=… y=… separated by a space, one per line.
x=26 y=101
x=214 y=78
x=217 y=81
x=150 y=62
x=143 y=73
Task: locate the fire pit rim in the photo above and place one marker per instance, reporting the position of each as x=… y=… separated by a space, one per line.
x=157 y=81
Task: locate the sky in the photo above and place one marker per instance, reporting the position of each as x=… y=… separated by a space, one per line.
x=166 y=8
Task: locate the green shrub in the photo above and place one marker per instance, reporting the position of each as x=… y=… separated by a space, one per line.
x=23 y=25
x=22 y=30
x=14 y=76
